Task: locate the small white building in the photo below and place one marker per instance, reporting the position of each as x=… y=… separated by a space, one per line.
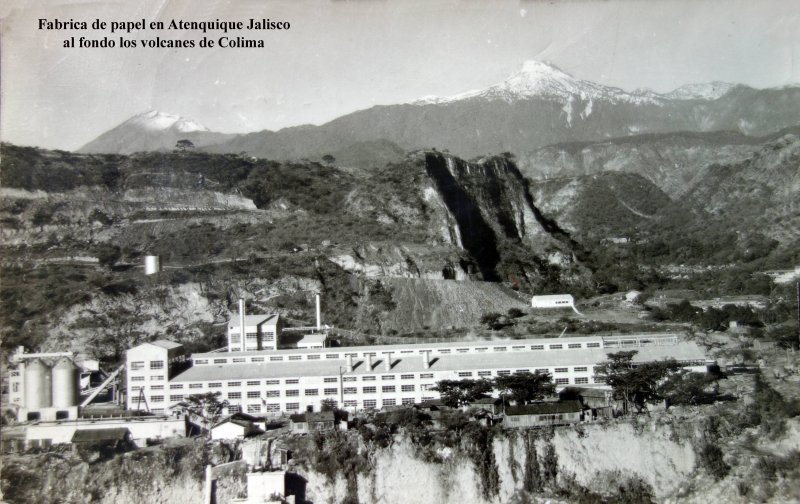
x=234 y=427
x=632 y=297
x=261 y=332
x=312 y=341
x=554 y=301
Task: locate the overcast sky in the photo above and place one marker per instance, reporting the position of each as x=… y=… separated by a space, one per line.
x=341 y=56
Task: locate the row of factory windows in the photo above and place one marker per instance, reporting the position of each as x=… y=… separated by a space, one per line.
x=334 y=391
x=257 y=408
x=236 y=337
x=388 y=377
x=139 y=365
x=441 y=351
x=327 y=391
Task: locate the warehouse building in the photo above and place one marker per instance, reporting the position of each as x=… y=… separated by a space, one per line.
x=271 y=382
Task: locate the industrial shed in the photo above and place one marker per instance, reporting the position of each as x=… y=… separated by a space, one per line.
x=542 y=414
x=94 y=444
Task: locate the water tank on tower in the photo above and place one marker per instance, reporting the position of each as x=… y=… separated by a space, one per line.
x=66 y=376
x=38 y=391
x=152 y=264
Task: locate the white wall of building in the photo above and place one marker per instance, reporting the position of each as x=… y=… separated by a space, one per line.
x=141 y=429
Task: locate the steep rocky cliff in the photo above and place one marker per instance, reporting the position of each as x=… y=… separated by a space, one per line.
x=595 y=458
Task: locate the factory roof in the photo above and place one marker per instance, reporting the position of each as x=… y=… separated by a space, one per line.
x=682 y=352
x=312 y=417
x=552 y=297
x=253 y=320
x=598 y=392
x=92 y=435
x=433 y=346
x=169 y=345
x=313 y=338
x=545 y=408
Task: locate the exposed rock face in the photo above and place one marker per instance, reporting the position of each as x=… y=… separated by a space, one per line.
x=593 y=457
x=492 y=208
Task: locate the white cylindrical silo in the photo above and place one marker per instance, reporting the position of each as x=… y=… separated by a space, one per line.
x=38 y=391
x=65 y=383
x=152 y=264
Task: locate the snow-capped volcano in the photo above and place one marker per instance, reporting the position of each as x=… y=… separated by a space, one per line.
x=153 y=130
x=159 y=121
x=543 y=80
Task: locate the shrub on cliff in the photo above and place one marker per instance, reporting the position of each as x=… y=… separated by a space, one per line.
x=711 y=459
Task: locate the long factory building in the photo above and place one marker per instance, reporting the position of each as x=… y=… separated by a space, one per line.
x=160 y=375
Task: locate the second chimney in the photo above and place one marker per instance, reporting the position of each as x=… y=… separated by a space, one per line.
x=349 y=363
x=319 y=315
x=388 y=361
x=426 y=359
x=369 y=361
x=241 y=324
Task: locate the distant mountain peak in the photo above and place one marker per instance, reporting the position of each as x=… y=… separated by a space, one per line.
x=153 y=120
x=538 y=79
x=152 y=131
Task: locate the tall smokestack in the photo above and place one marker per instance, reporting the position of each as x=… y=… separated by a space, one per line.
x=388 y=361
x=241 y=324
x=319 y=316
x=426 y=359
x=349 y=363
x=369 y=362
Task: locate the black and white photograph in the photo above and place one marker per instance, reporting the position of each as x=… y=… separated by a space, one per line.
x=399 y=251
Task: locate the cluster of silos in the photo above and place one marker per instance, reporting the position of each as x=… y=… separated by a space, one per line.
x=55 y=387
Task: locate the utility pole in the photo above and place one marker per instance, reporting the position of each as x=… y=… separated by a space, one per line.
x=341 y=387
x=797 y=285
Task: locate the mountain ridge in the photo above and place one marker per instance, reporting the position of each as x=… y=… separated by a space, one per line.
x=536 y=106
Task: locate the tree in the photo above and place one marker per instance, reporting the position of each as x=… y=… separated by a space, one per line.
x=107 y=254
x=525 y=387
x=184 y=144
x=42 y=216
x=634 y=384
x=328 y=159
x=492 y=320
x=328 y=405
x=98 y=216
x=686 y=387
x=457 y=393
x=208 y=406
x=333 y=406
x=711 y=457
